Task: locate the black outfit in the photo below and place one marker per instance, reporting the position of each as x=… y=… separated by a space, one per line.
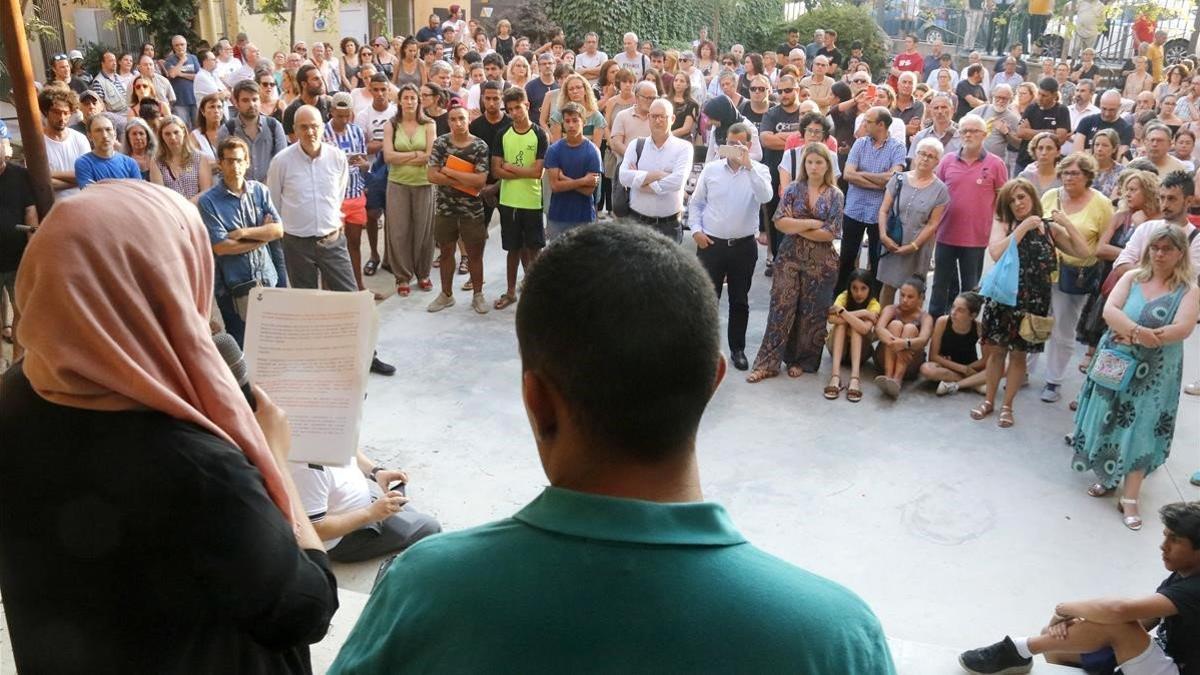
x=1089 y=125
x=165 y=555
x=504 y=47
x=834 y=55
x=1042 y=119
x=732 y=261
x=683 y=111
x=776 y=121
x=1091 y=72
x=1178 y=633
x=960 y=347
x=426 y=33
x=747 y=111
x=483 y=129
x=16 y=194
x=324 y=105
x=962 y=90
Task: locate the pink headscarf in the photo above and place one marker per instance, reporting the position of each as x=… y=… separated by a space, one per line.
x=115 y=292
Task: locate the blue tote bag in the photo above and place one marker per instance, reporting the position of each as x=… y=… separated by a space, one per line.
x=1000 y=283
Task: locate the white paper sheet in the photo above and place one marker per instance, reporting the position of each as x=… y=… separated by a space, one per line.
x=311 y=352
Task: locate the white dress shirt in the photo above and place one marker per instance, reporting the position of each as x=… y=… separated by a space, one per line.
x=665 y=196
x=308 y=192
x=207 y=83
x=1136 y=246
x=224 y=69
x=725 y=203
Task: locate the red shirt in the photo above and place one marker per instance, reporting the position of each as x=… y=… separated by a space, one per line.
x=911 y=62
x=968 y=218
x=1143 y=28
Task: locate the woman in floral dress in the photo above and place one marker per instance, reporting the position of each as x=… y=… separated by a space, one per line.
x=1019 y=214
x=810 y=217
x=1126 y=433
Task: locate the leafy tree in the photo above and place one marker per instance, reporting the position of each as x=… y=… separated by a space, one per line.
x=161 y=18
x=851 y=23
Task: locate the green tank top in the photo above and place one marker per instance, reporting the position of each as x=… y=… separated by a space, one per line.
x=408 y=174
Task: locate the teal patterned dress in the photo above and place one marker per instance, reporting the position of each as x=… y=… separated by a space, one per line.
x=1131 y=430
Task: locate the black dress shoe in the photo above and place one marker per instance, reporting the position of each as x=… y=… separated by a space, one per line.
x=739 y=360
x=380 y=368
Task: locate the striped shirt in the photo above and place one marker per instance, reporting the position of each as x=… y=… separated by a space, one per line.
x=352 y=141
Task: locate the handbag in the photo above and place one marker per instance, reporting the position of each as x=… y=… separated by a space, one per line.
x=1112 y=369
x=1036 y=329
x=895 y=226
x=1074 y=280
x=1002 y=281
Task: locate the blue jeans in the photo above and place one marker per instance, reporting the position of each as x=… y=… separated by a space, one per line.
x=955 y=269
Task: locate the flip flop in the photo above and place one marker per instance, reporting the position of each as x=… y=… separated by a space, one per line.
x=504 y=301
x=371 y=268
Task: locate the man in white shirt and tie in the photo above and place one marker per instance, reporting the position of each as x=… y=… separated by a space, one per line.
x=723 y=214
x=307 y=181
x=655 y=170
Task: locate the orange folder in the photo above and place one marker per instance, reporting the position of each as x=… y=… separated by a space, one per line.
x=459 y=164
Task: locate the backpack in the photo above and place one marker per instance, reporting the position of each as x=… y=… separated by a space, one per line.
x=620 y=193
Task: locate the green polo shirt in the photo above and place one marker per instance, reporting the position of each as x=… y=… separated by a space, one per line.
x=579 y=583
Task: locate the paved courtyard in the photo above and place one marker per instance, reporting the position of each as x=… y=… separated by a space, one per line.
x=954 y=531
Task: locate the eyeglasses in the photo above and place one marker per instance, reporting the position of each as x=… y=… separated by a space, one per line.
x=1072 y=173
x=815 y=130
x=758 y=89
x=60 y=57
x=786 y=90
x=859 y=80
x=267 y=83
x=970 y=131
x=646 y=98
x=928 y=155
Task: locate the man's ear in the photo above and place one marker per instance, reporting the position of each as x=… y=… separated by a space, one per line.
x=539 y=397
x=722 y=367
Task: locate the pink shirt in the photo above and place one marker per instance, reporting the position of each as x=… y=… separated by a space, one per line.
x=973 y=187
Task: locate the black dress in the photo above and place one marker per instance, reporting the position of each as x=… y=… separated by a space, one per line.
x=137 y=543
x=1001 y=323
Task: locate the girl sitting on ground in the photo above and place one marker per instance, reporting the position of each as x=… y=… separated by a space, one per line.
x=903 y=330
x=954 y=361
x=852 y=316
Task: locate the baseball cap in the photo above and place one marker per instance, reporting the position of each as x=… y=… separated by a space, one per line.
x=342 y=99
x=88 y=93
x=75 y=54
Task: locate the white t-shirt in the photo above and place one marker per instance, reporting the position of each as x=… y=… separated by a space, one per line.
x=582 y=60
x=785 y=164
x=362 y=99
x=61 y=155
x=372 y=121
x=637 y=64
x=330 y=491
x=224 y=69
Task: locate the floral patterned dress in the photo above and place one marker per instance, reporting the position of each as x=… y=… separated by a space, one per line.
x=1131 y=430
x=802 y=284
x=1038 y=261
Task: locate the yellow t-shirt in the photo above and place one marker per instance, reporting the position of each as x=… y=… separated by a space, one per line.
x=1155 y=56
x=1039 y=7
x=844 y=297
x=1091 y=221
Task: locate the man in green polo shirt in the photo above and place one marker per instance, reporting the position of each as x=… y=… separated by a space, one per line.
x=619 y=566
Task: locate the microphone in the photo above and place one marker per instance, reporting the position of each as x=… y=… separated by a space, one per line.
x=232 y=354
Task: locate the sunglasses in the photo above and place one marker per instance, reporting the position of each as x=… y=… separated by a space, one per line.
x=267 y=83
x=60 y=57
x=758 y=88
x=786 y=90
x=859 y=81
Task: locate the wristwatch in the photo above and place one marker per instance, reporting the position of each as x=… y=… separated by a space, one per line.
x=375 y=472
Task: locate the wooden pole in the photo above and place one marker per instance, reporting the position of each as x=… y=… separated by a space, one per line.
x=12 y=29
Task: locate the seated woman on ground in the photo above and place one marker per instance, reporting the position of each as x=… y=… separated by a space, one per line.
x=954 y=360
x=851 y=318
x=903 y=330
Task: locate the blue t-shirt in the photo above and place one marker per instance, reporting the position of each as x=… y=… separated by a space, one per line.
x=185 y=94
x=536 y=91
x=574 y=162
x=91 y=167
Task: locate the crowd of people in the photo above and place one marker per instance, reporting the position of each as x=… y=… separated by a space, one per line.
x=1077 y=185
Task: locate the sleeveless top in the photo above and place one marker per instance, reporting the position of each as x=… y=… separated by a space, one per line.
x=385 y=68
x=403 y=78
x=407 y=174
x=504 y=47
x=960 y=348
x=186 y=183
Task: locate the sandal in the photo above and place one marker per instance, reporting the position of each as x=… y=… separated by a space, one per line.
x=8 y=334
x=1132 y=522
x=1098 y=490
x=468 y=286
x=371 y=267
x=425 y=285
x=982 y=410
x=403 y=290
x=760 y=375
x=1086 y=362
x=795 y=371
x=832 y=391
x=504 y=300
x=462 y=265
x=1006 y=417
x=437 y=262
x=853 y=392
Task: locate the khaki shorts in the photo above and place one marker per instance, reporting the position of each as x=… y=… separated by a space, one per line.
x=448 y=230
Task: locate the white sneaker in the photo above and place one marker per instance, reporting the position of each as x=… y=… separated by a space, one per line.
x=479 y=303
x=1193 y=388
x=947 y=388
x=442 y=301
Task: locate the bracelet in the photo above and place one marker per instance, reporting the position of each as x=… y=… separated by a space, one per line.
x=908 y=344
x=1133 y=336
x=375 y=472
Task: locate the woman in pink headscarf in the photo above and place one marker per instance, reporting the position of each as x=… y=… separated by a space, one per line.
x=145 y=523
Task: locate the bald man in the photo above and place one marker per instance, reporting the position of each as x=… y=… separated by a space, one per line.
x=1109 y=117
x=307 y=181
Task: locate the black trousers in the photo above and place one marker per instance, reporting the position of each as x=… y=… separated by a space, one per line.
x=852 y=236
x=767 y=215
x=732 y=261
